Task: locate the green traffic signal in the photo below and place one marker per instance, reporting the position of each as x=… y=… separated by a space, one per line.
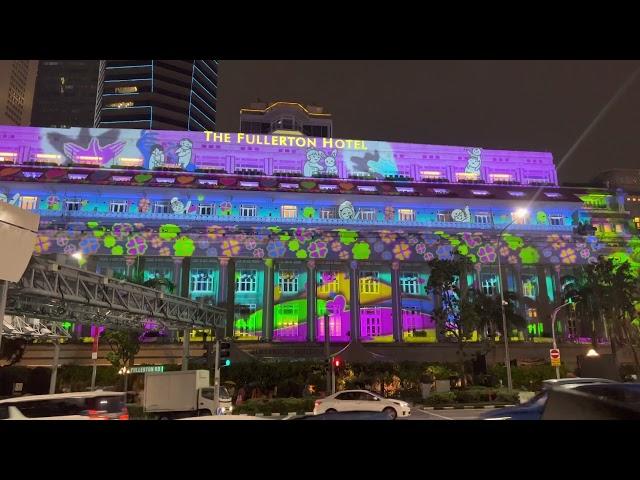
x=227 y=363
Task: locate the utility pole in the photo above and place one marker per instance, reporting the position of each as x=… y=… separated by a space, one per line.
x=4 y=289
x=216 y=380
x=94 y=357
x=553 y=331
x=327 y=353
x=54 y=370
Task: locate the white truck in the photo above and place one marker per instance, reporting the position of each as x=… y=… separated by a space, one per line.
x=180 y=394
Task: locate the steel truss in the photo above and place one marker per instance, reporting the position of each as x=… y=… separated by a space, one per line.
x=60 y=293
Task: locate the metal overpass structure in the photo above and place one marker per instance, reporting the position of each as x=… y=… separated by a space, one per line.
x=52 y=292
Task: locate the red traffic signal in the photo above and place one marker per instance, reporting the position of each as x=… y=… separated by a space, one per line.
x=337 y=362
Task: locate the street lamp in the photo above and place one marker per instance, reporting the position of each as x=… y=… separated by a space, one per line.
x=553 y=330
x=125 y=371
x=519 y=214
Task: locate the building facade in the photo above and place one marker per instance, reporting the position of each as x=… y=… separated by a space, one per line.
x=157 y=94
x=289 y=231
x=627 y=183
x=65 y=93
x=17 y=80
x=267 y=118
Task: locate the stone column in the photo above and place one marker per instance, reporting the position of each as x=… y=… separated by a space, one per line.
x=354 y=303
x=177 y=275
x=226 y=291
x=311 y=300
x=396 y=302
x=267 y=300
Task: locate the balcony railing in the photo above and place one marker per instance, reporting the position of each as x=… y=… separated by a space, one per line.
x=296 y=220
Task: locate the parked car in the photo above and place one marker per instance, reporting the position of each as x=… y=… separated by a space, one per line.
x=97 y=405
x=346 y=416
x=534 y=408
x=361 y=401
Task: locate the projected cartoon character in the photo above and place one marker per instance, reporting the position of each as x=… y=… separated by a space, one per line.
x=346 y=211
x=13 y=201
x=330 y=163
x=312 y=165
x=156 y=159
x=461 y=215
x=474 y=161
x=184 y=153
x=178 y=207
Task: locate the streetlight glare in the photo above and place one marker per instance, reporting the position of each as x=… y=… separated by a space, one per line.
x=521 y=212
x=592 y=353
x=77 y=255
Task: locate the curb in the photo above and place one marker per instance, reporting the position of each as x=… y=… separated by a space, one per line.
x=467 y=407
x=274 y=414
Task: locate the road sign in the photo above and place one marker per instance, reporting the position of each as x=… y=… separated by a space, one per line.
x=148 y=369
x=554 y=354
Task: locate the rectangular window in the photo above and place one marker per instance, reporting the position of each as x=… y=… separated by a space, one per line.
x=367 y=214
x=208 y=209
x=326 y=213
x=288 y=211
x=482 y=218
x=161 y=207
x=444 y=217
x=607 y=227
x=530 y=287
x=29 y=203
x=406 y=215
x=288 y=320
x=328 y=282
x=619 y=228
x=246 y=281
x=248 y=210
x=72 y=205
x=556 y=220
x=245 y=311
x=372 y=320
x=288 y=281
x=409 y=283
x=463 y=176
x=532 y=313
x=489 y=284
x=119 y=207
x=201 y=280
x=636 y=220
x=369 y=282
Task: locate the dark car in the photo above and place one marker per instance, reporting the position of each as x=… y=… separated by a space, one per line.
x=347 y=416
x=624 y=393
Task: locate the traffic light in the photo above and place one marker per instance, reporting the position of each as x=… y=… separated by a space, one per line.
x=225 y=353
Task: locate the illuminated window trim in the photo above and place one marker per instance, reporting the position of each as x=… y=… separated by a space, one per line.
x=289 y=211
x=370 y=282
x=29 y=202
x=406 y=215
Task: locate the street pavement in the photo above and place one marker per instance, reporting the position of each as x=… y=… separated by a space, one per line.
x=466 y=414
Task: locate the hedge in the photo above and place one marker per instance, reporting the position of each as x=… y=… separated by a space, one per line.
x=276 y=405
x=473 y=395
x=527 y=378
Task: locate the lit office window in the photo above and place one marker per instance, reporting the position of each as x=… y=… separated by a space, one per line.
x=161 y=207
x=367 y=214
x=326 y=213
x=482 y=218
x=72 y=205
x=208 y=209
x=201 y=280
x=556 y=220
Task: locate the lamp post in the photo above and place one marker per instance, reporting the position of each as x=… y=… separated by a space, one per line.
x=518 y=215
x=125 y=371
x=553 y=330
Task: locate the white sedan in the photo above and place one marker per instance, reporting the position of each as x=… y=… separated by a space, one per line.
x=361 y=401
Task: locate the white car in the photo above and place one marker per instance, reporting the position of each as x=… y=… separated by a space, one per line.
x=361 y=401
x=97 y=405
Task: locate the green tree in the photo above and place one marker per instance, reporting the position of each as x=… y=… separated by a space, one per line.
x=489 y=312
x=456 y=317
x=124 y=346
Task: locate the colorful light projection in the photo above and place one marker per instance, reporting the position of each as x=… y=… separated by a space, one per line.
x=333 y=296
x=417 y=305
x=248 y=300
x=266 y=154
x=376 y=313
x=290 y=303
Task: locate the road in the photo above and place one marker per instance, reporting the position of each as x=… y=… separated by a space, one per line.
x=467 y=414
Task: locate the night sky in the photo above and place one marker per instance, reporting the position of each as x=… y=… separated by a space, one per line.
x=519 y=105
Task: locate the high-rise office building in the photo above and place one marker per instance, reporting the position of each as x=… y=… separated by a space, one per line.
x=65 y=93
x=157 y=94
x=266 y=118
x=17 y=79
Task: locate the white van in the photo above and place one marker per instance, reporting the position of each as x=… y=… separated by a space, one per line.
x=97 y=405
